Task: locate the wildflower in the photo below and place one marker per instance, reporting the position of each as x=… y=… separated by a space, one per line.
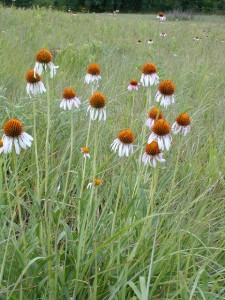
x=34 y=83
x=150 y=41
x=43 y=60
x=152 y=154
x=14 y=135
x=160 y=134
x=97 y=106
x=93 y=73
x=153 y=115
x=95 y=182
x=1 y=146
x=165 y=93
x=161 y=16
x=196 y=38
x=139 y=42
x=123 y=143
x=149 y=76
x=134 y=85
x=163 y=34
x=182 y=124
x=69 y=99
x=85 y=151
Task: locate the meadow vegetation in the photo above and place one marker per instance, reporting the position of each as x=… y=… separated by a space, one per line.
x=60 y=240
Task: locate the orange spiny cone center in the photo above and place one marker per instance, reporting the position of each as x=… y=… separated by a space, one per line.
x=152 y=148
x=93 y=69
x=183 y=120
x=97 y=181
x=161 y=14
x=69 y=93
x=97 y=100
x=134 y=82
x=30 y=77
x=1 y=143
x=43 y=56
x=13 y=128
x=85 y=150
x=161 y=127
x=154 y=113
x=148 y=68
x=126 y=136
x=167 y=88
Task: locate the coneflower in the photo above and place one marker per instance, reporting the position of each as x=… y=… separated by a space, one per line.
x=153 y=115
x=34 y=84
x=123 y=143
x=152 y=154
x=134 y=85
x=182 y=124
x=14 y=134
x=161 y=134
x=43 y=60
x=93 y=73
x=165 y=93
x=149 y=76
x=97 y=107
x=69 y=99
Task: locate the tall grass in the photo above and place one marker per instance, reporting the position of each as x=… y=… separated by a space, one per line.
x=62 y=241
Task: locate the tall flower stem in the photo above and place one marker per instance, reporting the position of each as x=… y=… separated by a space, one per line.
x=132 y=107
x=154 y=181
x=71 y=154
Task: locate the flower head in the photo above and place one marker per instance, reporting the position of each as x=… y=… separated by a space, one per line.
x=94 y=183
x=182 y=124
x=14 y=135
x=134 y=85
x=85 y=151
x=161 y=16
x=165 y=93
x=152 y=154
x=96 y=106
x=93 y=73
x=150 y=41
x=149 y=76
x=161 y=134
x=123 y=143
x=153 y=115
x=69 y=99
x=163 y=34
x=43 y=60
x=34 y=84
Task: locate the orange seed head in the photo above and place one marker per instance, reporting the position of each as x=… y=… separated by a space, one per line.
x=69 y=94
x=43 y=56
x=1 y=143
x=85 y=150
x=126 y=136
x=30 y=77
x=13 y=128
x=93 y=69
x=134 y=82
x=97 y=100
x=154 y=113
x=152 y=148
x=148 y=68
x=183 y=120
x=161 y=127
x=97 y=181
x=167 y=88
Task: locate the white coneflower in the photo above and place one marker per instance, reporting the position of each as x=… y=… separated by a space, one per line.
x=123 y=143
x=149 y=76
x=182 y=124
x=153 y=115
x=94 y=183
x=34 y=84
x=163 y=34
x=43 y=60
x=196 y=39
x=165 y=93
x=93 y=73
x=161 y=16
x=134 y=85
x=97 y=107
x=152 y=154
x=1 y=146
x=69 y=99
x=150 y=41
x=161 y=134
x=14 y=135
x=85 y=152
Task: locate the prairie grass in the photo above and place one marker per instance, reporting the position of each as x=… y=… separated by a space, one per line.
x=60 y=240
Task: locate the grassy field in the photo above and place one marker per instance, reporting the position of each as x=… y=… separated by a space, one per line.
x=144 y=233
